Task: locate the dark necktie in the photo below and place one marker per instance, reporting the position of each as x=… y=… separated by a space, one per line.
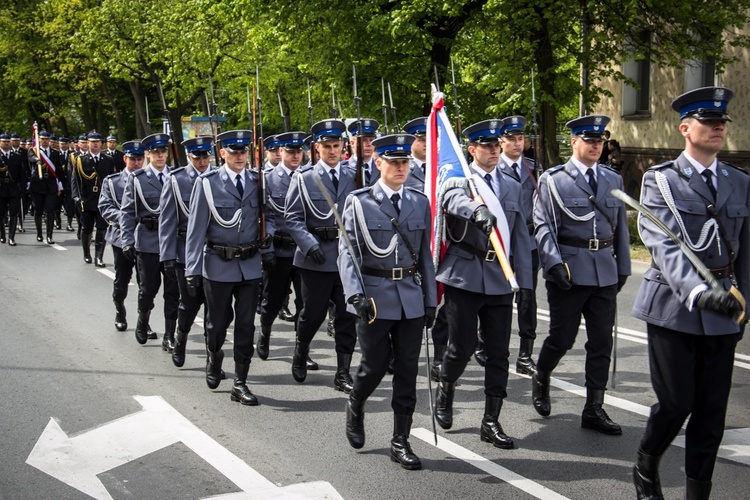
x=367 y=174
x=592 y=180
x=161 y=179
x=516 y=172
x=395 y=197
x=708 y=177
x=488 y=179
x=96 y=161
x=238 y=183
x=334 y=179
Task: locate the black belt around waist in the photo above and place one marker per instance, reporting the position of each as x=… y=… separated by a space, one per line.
x=181 y=233
x=151 y=223
x=327 y=233
x=241 y=252
x=593 y=244
x=395 y=274
x=719 y=273
x=283 y=241
x=487 y=255
x=530 y=228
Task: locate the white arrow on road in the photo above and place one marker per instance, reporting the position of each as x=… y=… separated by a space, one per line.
x=78 y=460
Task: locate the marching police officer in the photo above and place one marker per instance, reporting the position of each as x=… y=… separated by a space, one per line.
x=117 y=155
x=139 y=221
x=89 y=171
x=418 y=128
x=475 y=285
x=224 y=249
x=582 y=236
x=692 y=328
x=272 y=146
x=173 y=220
x=43 y=185
x=513 y=163
x=369 y=132
x=12 y=178
x=311 y=223
x=110 y=205
x=389 y=227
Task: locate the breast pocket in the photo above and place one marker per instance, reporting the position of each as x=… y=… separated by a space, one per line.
x=318 y=201
x=736 y=215
x=578 y=206
x=416 y=229
x=226 y=209
x=380 y=231
x=513 y=213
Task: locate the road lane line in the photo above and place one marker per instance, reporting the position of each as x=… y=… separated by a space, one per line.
x=58 y=247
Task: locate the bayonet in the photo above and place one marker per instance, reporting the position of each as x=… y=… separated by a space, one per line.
x=359 y=173
x=393 y=109
x=384 y=106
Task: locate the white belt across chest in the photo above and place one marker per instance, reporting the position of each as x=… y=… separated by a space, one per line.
x=236 y=220
x=555 y=195
x=139 y=192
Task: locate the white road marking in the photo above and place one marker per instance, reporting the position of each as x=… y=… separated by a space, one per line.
x=527 y=485
x=58 y=247
x=734 y=446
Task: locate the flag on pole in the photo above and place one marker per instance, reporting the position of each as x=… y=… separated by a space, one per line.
x=41 y=154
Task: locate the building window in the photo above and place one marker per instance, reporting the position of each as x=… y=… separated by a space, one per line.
x=636 y=99
x=700 y=73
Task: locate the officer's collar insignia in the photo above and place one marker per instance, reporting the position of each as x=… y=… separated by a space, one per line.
x=321 y=171
x=224 y=177
x=343 y=171
x=575 y=172
x=191 y=173
x=379 y=196
x=279 y=173
x=601 y=172
x=724 y=171
x=502 y=165
x=148 y=173
x=687 y=171
x=408 y=196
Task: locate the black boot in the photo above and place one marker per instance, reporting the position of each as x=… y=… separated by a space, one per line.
x=524 y=364
x=50 y=228
x=343 y=380
x=299 y=367
x=178 y=354
x=167 y=343
x=213 y=368
x=38 y=224
x=69 y=227
x=240 y=392
x=400 y=448
x=646 y=477
x=285 y=314
x=310 y=364
x=263 y=341
x=58 y=221
x=437 y=362
x=697 y=490
x=594 y=417
x=355 y=422
x=141 y=327
x=479 y=353
x=491 y=431
x=121 y=323
x=86 y=244
x=99 y=245
x=444 y=404
x=540 y=393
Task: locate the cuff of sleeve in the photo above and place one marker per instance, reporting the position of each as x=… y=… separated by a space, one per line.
x=694 y=295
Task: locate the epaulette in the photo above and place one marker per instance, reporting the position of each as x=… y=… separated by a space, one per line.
x=304 y=169
x=416 y=190
x=177 y=170
x=140 y=171
x=666 y=164
x=362 y=190
x=735 y=167
x=607 y=167
x=117 y=174
x=555 y=169
x=209 y=173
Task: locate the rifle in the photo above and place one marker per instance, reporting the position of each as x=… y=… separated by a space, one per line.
x=313 y=160
x=212 y=115
x=385 y=108
x=535 y=126
x=281 y=110
x=455 y=101
x=393 y=109
x=172 y=141
x=359 y=173
x=334 y=111
x=148 y=120
x=258 y=146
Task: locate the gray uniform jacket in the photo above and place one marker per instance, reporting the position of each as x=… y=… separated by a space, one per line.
x=277 y=186
x=587 y=267
x=416 y=177
x=394 y=299
x=110 y=203
x=662 y=298
x=134 y=230
x=373 y=168
x=203 y=228
x=174 y=218
x=527 y=191
x=460 y=268
x=300 y=213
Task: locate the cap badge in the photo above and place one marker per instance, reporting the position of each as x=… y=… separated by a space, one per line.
x=366 y=123
x=199 y=141
x=514 y=120
x=239 y=135
x=493 y=124
x=400 y=139
x=718 y=94
x=598 y=120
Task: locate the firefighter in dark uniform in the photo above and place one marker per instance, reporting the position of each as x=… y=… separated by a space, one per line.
x=692 y=329
x=389 y=226
x=115 y=153
x=311 y=223
x=581 y=232
x=43 y=185
x=110 y=205
x=173 y=220
x=12 y=179
x=88 y=173
x=66 y=153
x=225 y=252
x=139 y=220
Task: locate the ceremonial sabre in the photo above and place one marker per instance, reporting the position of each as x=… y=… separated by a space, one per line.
x=698 y=264
x=429 y=382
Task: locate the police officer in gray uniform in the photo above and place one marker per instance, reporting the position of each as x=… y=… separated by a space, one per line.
x=418 y=128
x=581 y=227
x=389 y=226
x=692 y=329
x=223 y=251
x=311 y=223
x=272 y=147
x=369 y=132
x=110 y=204
x=523 y=170
x=174 y=205
x=475 y=285
x=139 y=221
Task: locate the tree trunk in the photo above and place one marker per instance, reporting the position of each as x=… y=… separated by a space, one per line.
x=545 y=59
x=142 y=127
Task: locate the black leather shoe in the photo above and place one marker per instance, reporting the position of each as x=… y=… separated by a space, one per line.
x=491 y=431
x=2 y=240
x=167 y=344
x=540 y=393
x=99 y=262
x=152 y=335
x=646 y=477
x=11 y=242
x=69 y=228
x=437 y=361
x=285 y=314
x=141 y=327
x=444 y=404
x=401 y=451
x=524 y=364
x=121 y=323
x=299 y=366
x=343 y=380
x=594 y=417
x=50 y=241
x=355 y=422
x=213 y=368
x=178 y=354
x=39 y=239
x=311 y=365
x=240 y=391
x=480 y=355
x=263 y=341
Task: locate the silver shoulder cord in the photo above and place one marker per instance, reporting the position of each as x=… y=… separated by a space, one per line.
x=554 y=194
x=236 y=219
x=375 y=250
x=139 y=192
x=178 y=197
x=306 y=200
x=441 y=228
x=710 y=229
x=113 y=194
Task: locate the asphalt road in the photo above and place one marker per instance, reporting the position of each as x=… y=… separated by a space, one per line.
x=68 y=383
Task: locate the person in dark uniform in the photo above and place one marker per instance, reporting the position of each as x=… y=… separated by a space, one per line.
x=115 y=153
x=12 y=178
x=389 y=226
x=311 y=224
x=475 y=285
x=17 y=147
x=692 y=329
x=522 y=169
x=87 y=175
x=43 y=185
x=66 y=153
x=582 y=236
x=225 y=251
x=369 y=132
x=110 y=205
x=139 y=221
x=173 y=219
x=418 y=128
